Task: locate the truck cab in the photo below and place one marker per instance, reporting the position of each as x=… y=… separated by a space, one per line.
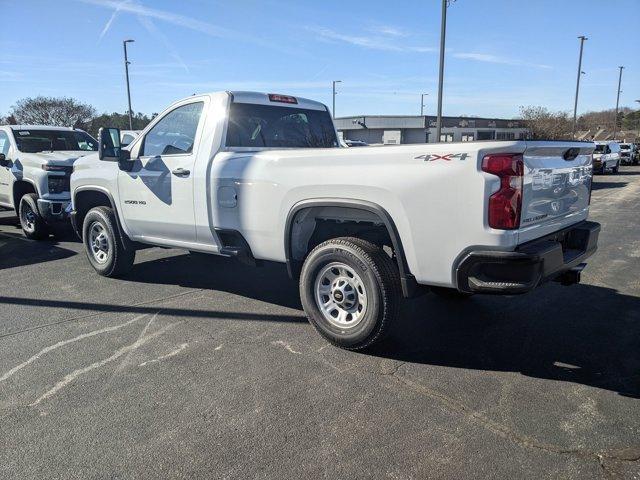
x=35 y=170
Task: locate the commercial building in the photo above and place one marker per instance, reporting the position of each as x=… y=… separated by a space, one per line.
x=397 y=129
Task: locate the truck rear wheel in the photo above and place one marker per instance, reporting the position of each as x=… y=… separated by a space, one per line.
x=104 y=245
x=32 y=223
x=350 y=290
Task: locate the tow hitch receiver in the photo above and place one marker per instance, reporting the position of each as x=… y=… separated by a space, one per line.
x=571 y=276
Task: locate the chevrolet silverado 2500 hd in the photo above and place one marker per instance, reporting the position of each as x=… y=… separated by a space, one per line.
x=262 y=177
x=35 y=168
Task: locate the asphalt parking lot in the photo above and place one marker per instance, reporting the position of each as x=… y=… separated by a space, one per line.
x=200 y=367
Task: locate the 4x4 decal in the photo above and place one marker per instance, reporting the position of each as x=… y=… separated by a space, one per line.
x=447 y=158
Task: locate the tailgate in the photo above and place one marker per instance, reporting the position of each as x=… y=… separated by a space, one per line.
x=556 y=186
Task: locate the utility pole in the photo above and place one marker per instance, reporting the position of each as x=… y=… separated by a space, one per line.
x=443 y=30
x=126 y=71
x=575 y=105
x=422 y=103
x=615 y=119
x=334 y=97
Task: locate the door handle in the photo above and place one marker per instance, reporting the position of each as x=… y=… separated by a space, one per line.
x=181 y=172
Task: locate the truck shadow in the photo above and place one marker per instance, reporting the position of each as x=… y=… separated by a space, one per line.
x=10 y=220
x=604 y=185
x=268 y=283
x=584 y=334
x=17 y=251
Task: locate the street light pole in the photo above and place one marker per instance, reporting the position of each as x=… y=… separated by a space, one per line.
x=443 y=30
x=126 y=71
x=422 y=103
x=615 y=119
x=334 y=97
x=575 y=105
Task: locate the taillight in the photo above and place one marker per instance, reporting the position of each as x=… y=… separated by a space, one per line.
x=506 y=204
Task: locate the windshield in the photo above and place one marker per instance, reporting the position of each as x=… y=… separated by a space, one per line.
x=252 y=125
x=599 y=149
x=34 y=141
x=624 y=146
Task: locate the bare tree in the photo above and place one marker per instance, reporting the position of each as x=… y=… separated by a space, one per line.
x=8 y=120
x=545 y=124
x=594 y=121
x=63 y=112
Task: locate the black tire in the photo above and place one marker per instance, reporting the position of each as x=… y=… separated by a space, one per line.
x=378 y=276
x=450 y=293
x=32 y=223
x=114 y=260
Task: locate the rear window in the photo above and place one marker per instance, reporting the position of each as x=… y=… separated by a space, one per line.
x=252 y=125
x=34 y=141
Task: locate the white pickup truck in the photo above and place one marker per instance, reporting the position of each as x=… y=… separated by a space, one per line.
x=35 y=170
x=262 y=177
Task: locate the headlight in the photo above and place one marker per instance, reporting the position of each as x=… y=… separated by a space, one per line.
x=58 y=183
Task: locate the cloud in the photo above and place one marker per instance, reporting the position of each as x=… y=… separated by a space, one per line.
x=489 y=58
x=185 y=22
x=148 y=24
x=388 y=30
x=107 y=26
x=6 y=76
x=163 y=15
x=373 y=42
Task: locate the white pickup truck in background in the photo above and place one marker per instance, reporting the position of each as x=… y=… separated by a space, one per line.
x=262 y=177
x=606 y=156
x=35 y=169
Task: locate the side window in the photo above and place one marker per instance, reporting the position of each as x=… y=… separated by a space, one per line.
x=126 y=139
x=175 y=133
x=4 y=143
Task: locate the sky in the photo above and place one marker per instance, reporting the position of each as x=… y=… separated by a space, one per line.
x=500 y=54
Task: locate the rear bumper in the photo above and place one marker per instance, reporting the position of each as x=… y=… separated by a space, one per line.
x=558 y=256
x=53 y=211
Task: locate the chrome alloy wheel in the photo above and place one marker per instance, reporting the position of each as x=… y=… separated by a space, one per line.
x=99 y=242
x=28 y=218
x=340 y=295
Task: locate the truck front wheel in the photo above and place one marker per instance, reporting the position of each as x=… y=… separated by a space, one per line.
x=32 y=223
x=350 y=290
x=104 y=245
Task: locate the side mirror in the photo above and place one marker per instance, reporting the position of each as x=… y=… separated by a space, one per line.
x=110 y=149
x=4 y=162
x=109 y=144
